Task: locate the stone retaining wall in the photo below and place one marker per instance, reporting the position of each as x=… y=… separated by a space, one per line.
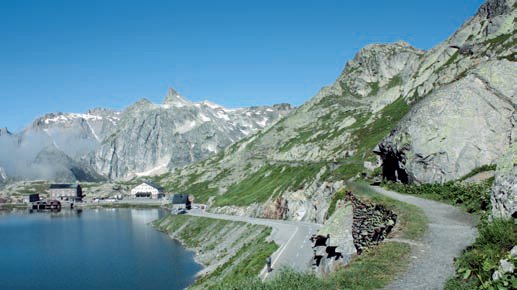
x=371 y=222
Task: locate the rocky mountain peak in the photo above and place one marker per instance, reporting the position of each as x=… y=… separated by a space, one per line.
x=377 y=65
x=151 y=138
x=493 y=8
x=174 y=99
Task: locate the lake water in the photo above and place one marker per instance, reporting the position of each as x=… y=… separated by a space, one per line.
x=92 y=249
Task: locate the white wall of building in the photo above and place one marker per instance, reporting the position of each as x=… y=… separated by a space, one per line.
x=144 y=188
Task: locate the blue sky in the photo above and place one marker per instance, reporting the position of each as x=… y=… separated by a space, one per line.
x=70 y=56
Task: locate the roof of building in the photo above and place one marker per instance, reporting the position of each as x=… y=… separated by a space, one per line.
x=150 y=183
x=63 y=186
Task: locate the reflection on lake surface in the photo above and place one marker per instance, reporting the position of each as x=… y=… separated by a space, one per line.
x=92 y=249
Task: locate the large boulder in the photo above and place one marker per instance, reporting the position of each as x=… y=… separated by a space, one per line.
x=455 y=129
x=504 y=190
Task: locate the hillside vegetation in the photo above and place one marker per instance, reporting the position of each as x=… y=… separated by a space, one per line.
x=383 y=93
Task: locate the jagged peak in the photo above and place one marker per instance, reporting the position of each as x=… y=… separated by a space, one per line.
x=493 y=8
x=371 y=51
x=173 y=98
x=374 y=66
x=383 y=47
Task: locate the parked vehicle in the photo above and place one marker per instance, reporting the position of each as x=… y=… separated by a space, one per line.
x=181 y=211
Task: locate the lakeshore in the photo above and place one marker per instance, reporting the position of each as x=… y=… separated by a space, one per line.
x=82 y=249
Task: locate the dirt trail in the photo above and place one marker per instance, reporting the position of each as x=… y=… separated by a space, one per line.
x=432 y=258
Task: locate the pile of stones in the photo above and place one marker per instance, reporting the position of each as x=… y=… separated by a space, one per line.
x=371 y=223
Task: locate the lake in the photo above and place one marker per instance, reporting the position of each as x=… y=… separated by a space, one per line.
x=92 y=249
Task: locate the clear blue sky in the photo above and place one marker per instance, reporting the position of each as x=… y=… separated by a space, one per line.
x=70 y=56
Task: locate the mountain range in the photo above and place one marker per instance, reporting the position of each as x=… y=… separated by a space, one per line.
x=143 y=139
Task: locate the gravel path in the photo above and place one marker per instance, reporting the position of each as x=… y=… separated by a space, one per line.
x=450 y=231
x=295 y=249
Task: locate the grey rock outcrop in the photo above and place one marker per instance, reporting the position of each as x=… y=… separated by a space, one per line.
x=504 y=191
x=455 y=129
x=493 y=8
x=339 y=245
x=465 y=113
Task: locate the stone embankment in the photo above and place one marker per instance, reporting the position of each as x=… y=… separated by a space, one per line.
x=371 y=223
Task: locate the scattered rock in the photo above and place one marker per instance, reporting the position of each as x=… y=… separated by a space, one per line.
x=513 y=252
x=497 y=275
x=505 y=266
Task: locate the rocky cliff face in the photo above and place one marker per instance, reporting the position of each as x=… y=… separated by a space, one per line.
x=152 y=138
x=457 y=128
x=467 y=116
x=457 y=106
x=504 y=192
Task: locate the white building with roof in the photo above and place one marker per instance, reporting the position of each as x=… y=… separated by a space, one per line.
x=148 y=190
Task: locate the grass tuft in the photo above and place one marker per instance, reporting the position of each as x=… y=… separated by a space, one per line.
x=477 y=264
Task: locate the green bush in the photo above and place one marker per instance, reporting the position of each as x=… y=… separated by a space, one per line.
x=478 y=262
x=483 y=168
x=474 y=198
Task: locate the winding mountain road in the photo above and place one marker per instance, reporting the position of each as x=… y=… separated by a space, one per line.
x=432 y=259
x=292 y=236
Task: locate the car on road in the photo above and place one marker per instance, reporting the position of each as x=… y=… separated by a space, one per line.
x=181 y=211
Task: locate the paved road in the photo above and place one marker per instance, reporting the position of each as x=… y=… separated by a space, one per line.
x=295 y=249
x=450 y=231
